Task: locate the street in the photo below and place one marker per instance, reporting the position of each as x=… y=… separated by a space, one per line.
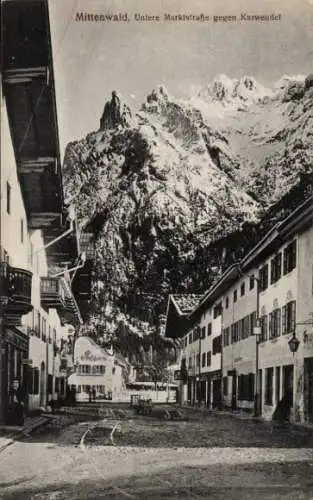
x=204 y=456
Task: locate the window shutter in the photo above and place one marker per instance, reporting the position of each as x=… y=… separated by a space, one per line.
x=270 y=325
x=285 y=261
x=278 y=322
x=293 y=316
x=294 y=254
x=284 y=320
x=273 y=271
x=278 y=267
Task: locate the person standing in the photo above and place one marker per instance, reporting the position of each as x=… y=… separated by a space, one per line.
x=17 y=402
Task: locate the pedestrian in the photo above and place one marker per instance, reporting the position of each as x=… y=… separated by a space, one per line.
x=93 y=393
x=17 y=403
x=90 y=393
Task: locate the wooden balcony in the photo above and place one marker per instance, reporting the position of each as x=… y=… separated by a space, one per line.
x=52 y=293
x=16 y=288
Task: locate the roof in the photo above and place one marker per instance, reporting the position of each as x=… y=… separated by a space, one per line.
x=298 y=220
x=185 y=303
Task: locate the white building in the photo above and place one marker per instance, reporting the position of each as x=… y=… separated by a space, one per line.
x=35 y=304
x=97 y=369
x=272 y=287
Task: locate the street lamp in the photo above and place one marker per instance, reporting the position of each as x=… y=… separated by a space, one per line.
x=293 y=343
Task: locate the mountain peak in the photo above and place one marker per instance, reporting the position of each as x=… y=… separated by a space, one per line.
x=115 y=113
x=233 y=91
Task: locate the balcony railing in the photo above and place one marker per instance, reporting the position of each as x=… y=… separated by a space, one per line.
x=16 y=288
x=52 y=293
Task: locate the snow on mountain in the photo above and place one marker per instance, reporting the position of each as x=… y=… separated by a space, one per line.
x=268 y=132
x=157 y=186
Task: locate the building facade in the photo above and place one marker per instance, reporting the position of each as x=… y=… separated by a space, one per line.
x=265 y=303
x=39 y=240
x=99 y=374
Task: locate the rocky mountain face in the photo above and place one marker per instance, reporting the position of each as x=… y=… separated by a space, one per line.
x=161 y=186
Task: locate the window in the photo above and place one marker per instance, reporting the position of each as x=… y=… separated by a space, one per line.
x=276 y=268
x=198 y=359
x=203 y=332
x=203 y=359
x=84 y=369
x=113 y=370
x=44 y=329
x=190 y=337
x=277 y=383
x=246 y=387
x=209 y=329
x=217 y=311
x=263 y=324
x=289 y=317
x=217 y=345
x=226 y=337
x=274 y=326
x=186 y=340
x=22 y=230
x=252 y=322
x=98 y=369
x=269 y=373
x=208 y=358
x=251 y=282
x=225 y=386
x=8 y=198
x=263 y=277
x=290 y=257
x=242 y=289
x=190 y=363
x=235 y=295
x=234 y=333
x=239 y=329
x=245 y=327
x=196 y=333
x=226 y=303
x=37 y=328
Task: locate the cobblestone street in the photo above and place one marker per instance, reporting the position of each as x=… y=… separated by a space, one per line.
x=207 y=456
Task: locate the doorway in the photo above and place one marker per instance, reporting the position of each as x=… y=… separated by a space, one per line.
x=234 y=391
x=308 y=388
x=288 y=383
x=42 y=384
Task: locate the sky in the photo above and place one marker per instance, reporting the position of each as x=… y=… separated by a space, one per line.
x=91 y=59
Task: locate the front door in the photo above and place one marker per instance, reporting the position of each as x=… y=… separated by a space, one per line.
x=288 y=382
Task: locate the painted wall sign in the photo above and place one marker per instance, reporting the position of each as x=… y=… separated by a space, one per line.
x=88 y=356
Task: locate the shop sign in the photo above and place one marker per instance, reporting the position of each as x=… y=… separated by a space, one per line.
x=88 y=356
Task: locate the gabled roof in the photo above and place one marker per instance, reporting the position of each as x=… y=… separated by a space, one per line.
x=179 y=307
x=185 y=303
